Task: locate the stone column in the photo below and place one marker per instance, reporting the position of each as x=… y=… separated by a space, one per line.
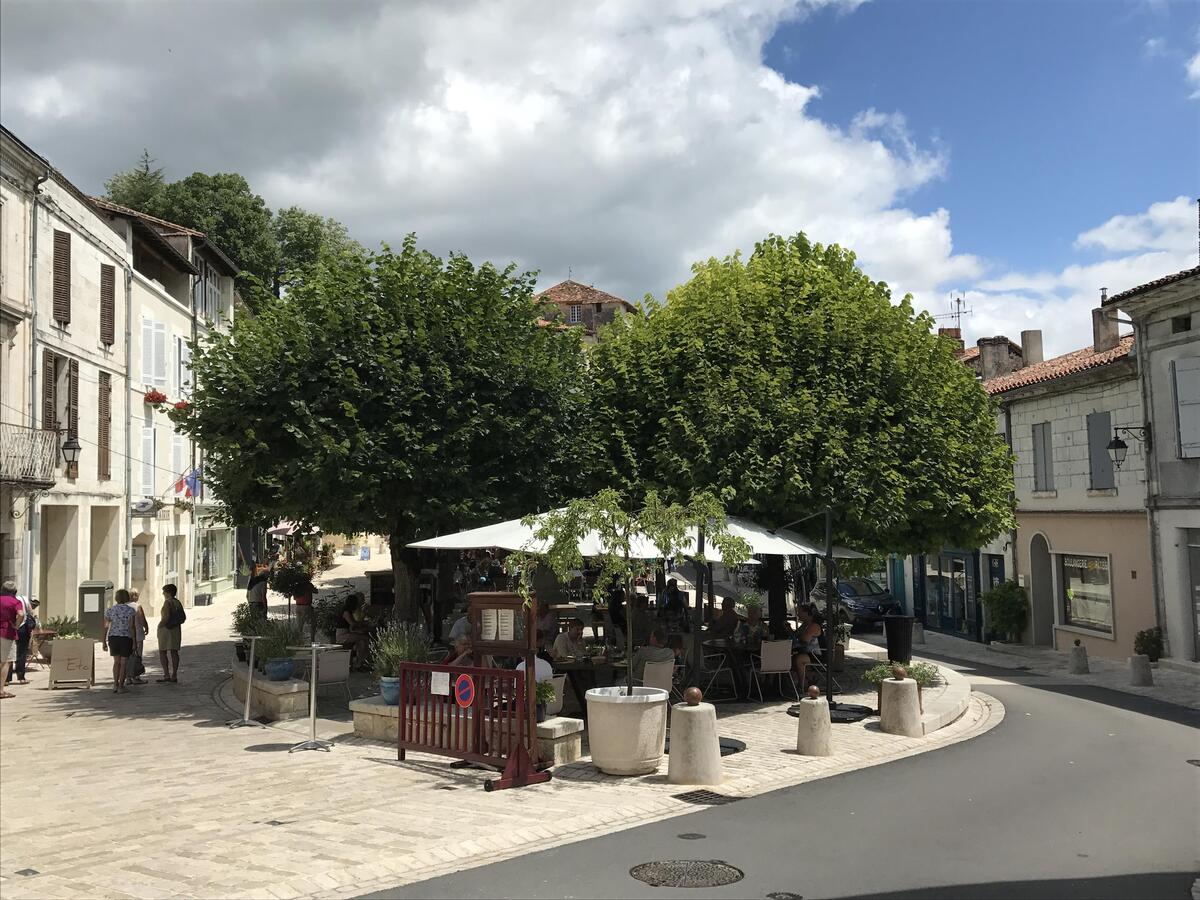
x=695 y=756
x=1078 y=663
x=899 y=708
x=813 y=725
x=1139 y=671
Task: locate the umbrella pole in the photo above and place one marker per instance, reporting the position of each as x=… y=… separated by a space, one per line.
x=697 y=638
x=829 y=621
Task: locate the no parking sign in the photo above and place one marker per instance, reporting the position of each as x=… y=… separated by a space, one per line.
x=464 y=691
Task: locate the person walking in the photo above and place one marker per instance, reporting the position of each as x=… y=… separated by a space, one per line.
x=136 y=666
x=12 y=616
x=256 y=590
x=170 y=632
x=120 y=621
x=24 y=632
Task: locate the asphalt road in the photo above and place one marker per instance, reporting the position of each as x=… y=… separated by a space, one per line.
x=1079 y=792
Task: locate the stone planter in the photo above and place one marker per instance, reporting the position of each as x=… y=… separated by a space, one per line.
x=389 y=689
x=280 y=669
x=627 y=733
x=879 y=698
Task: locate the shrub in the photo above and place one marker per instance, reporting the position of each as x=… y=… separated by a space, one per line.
x=277 y=636
x=291 y=578
x=247 y=620
x=396 y=643
x=1149 y=643
x=923 y=674
x=66 y=627
x=1007 y=608
x=545 y=692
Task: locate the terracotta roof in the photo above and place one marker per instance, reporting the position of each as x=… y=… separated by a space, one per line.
x=546 y=323
x=1060 y=367
x=1150 y=285
x=969 y=354
x=126 y=211
x=572 y=293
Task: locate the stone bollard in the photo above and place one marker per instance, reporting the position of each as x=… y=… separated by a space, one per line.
x=1078 y=663
x=813 y=725
x=918 y=633
x=695 y=756
x=899 y=708
x=1139 y=671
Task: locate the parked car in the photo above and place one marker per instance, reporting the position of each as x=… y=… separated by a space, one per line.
x=863 y=602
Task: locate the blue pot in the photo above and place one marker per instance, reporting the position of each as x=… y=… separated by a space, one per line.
x=389 y=688
x=279 y=669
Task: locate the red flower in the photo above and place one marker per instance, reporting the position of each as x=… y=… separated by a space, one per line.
x=182 y=405
x=154 y=397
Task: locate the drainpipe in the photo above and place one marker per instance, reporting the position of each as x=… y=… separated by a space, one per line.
x=128 y=414
x=31 y=513
x=1141 y=347
x=1012 y=535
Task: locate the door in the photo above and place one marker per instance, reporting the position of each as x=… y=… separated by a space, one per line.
x=1193 y=545
x=896 y=581
x=1041 y=591
x=954 y=600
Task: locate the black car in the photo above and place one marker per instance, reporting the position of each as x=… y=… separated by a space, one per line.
x=863 y=602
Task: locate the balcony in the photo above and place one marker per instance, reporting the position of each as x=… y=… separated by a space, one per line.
x=28 y=456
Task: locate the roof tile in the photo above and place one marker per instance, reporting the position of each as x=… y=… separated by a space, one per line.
x=1150 y=285
x=1060 y=367
x=572 y=292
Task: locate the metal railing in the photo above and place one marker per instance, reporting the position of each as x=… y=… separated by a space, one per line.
x=28 y=456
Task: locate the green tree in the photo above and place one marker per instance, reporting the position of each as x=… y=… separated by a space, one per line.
x=304 y=238
x=792 y=378
x=392 y=392
x=136 y=188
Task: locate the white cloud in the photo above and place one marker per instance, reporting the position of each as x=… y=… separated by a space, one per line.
x=1193 y=74
x=1154 y=47
x=1164 y=226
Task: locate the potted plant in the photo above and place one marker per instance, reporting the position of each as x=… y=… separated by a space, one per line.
x=1007 y=607
x=247 y=621
x=545 y=696
x=58 y=627
x=841 y=640
x=626 y=724
x=922 y=673
x=396 y=643
x=277 y=637
x=1149 y=643
x=154 y=397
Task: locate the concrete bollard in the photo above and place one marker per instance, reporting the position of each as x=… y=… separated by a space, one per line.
x=813 y=725
x=695 y=756
x=918 y=633
x=1139 y=671
x=1078 y=663
x=899 y=708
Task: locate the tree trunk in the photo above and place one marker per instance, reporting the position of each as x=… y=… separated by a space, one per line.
x=443 y=598
x=776 y=594
x=405 y=563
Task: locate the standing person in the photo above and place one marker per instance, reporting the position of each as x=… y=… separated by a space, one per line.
x=256 y=590
x=170 y=632
x=12 y=616
x=120 y=622
x=24 y=632
x=137 y=665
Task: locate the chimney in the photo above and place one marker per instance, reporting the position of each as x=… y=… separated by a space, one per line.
x=955 y=334
x=1031 y=347
x=1104 y=330
x=993 y=357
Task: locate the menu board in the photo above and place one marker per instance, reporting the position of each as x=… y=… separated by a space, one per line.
x=504 y=629
x=488 y=624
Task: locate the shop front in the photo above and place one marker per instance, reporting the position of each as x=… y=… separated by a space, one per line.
x=946 y=592
x=216 y=559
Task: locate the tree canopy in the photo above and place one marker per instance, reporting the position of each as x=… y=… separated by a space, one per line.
x=792 y=378
x=393 y=392
x=137 y=188
x=304 y=238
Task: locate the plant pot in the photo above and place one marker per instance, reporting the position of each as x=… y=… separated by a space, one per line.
x=541 y=712
x=46 y=646
x=389 y=689
x=627 y=733
x=280 y=669
x=241 y=649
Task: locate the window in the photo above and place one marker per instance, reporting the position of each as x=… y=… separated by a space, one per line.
x=148 y=456
x=575 y=316
x=1043 y=457
x=183 y=367
x=1181 y=324
x=1086 y=592
x=1099 y=429
x=62 y=277
x=108 y=305
x=1185 y=380
x=60 y=397
x=154 y=354
x=174 y=556
x=178 y=457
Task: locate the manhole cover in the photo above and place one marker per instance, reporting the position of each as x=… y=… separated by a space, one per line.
x=1194 y=762
x=783 y=895
x=729 y=746
x=687 y=873
x=691 y=836
x=704 y=798
x=840 y=713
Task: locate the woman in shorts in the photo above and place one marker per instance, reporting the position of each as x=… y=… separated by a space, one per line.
x=120 y=621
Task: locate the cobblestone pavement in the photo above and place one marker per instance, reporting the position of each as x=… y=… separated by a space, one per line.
x=148 y=794
x=1170 y=685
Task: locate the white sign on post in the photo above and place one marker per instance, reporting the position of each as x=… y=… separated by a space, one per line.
x=91 y=603
x=439 y=684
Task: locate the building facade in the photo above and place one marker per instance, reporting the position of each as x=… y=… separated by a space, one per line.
x=1166 y=318
x=582 y=306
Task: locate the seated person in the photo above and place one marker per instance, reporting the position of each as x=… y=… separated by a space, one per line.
x=656 y=651
x=459 y=653
x=542 y=670
x=672 y=598
x=543 y=651
x=352 y=631
x=679 y=648
x=641 y=621
x=724 y=625
x=547 y=621
x=753 y=631
x=460 y=629
x=806 y=640
x=570 y=642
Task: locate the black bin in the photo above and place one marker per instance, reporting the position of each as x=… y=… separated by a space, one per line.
x=899 y=637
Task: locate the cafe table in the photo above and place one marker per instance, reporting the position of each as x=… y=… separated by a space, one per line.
x=737 y=657
x=312 y=743
x=584 y=673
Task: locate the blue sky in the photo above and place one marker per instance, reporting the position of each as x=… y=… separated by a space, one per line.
x=1054 y=114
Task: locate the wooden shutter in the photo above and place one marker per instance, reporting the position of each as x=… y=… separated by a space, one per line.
x=147 y=353
x=108 y=305
x=1185 y=378
x=148 y=458
x=160 y=355
x=49 y=391
x=104 y=434
x=62 y=277
x=1100 y=464
x=1043 y=457
x=73 y=410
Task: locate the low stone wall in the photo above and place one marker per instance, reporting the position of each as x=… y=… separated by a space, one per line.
x=272 y=700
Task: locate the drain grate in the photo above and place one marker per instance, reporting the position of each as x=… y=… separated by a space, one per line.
x=783 y=895
x=704 y=798
x=687 y=873
x=691 y=836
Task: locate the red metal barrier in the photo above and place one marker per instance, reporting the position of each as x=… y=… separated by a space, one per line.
x=492 y=728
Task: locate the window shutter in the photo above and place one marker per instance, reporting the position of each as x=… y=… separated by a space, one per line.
x=147 y=353
x=104 y=433
x=160 y=355
x=62 y=277
x=1099 y=427
x=177 y=456
x=148 y=460
x=49 y=391
x=185 y=368
x=173 y=366
x=1043 y=458
x=73 y=410
x=108 y=305
x=1185 y=375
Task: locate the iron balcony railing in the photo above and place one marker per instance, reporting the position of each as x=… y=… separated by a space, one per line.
x=28 y=456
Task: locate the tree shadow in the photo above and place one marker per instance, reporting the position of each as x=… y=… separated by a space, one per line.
x=1148 y=885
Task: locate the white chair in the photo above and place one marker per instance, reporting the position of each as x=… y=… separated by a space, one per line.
x=555 y=707
x=659 y=675
x=333 y=667
x=775 y=658
x=721 y=659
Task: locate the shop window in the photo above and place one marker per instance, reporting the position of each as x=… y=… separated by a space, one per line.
x=1085 y=589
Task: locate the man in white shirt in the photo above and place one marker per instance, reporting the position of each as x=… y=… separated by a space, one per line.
x=542 y=670
x=570 y=642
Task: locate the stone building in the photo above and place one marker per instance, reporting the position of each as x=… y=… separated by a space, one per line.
x=582 y=305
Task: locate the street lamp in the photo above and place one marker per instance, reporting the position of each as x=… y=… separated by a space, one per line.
x=1118 y=449
x=71 y=449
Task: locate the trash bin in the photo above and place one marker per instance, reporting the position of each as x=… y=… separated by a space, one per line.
x=899 y=637
x=94 y=598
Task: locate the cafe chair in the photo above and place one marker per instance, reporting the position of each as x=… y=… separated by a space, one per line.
x=660 y=675
x=714 y=665
x=555 y=706
x=775 y=659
